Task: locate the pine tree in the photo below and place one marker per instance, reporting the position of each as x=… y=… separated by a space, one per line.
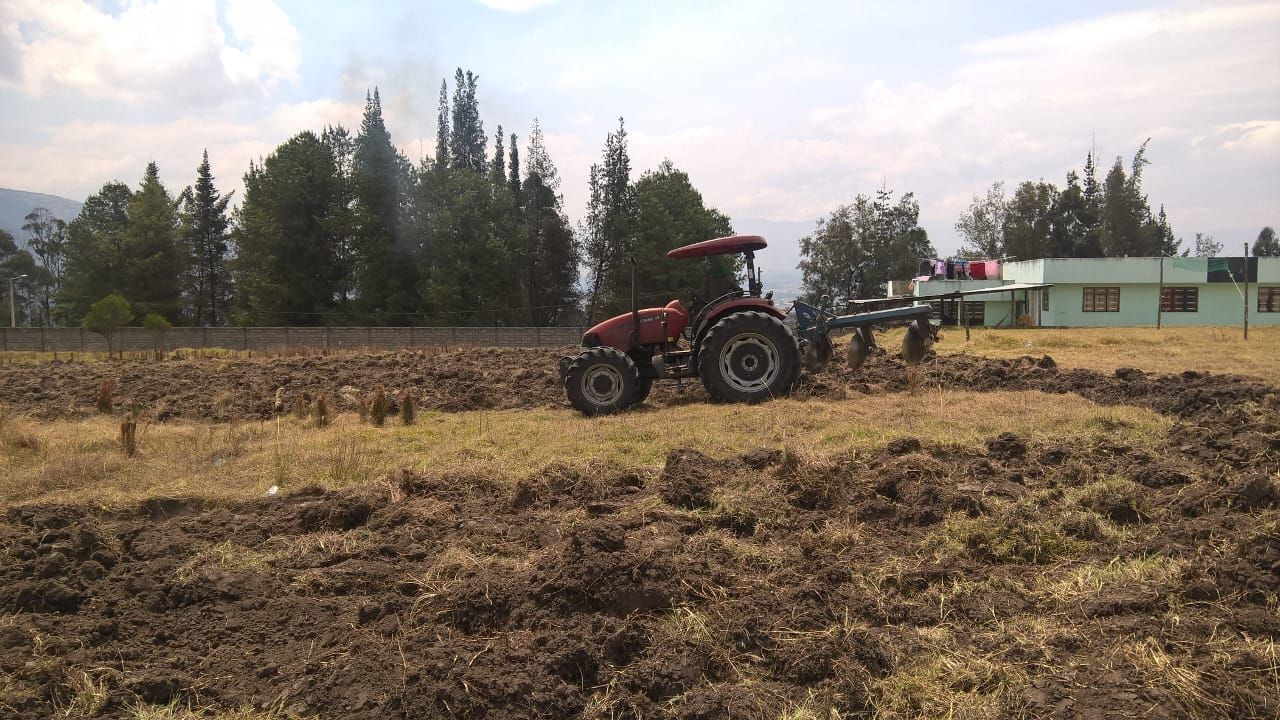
x=513 y=170
x=550 y=258
x=498 y=168
x=342 y=220
x=95 y=251
x=1028 y=224
x=467 y=138
x=442 y=125
x=1169 y=245
x=1266 y=245
x=286 y=267
x=386 y=281
x=154 y=263
x=1090 y=216
x=1067 y=228
x=204 y=236
x=671 y=213
x=613 y=232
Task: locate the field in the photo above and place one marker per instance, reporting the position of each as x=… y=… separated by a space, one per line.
x=999 y=534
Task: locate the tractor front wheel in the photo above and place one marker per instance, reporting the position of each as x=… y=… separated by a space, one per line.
x=748 y=357
x=600 y=381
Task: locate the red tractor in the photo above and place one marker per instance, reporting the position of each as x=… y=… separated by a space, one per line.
x=737 y=344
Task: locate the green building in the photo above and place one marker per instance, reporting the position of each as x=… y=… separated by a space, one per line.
x=1117 y=292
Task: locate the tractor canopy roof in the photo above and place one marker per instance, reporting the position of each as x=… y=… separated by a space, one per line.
x=720 y=246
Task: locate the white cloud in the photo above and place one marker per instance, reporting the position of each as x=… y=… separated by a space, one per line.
x=1254 y=136
x=1022 y=106
x=166 y=50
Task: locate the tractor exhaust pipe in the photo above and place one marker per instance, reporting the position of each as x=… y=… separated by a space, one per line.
x=635 y=302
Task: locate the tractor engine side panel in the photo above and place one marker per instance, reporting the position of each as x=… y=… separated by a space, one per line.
x=616 y=331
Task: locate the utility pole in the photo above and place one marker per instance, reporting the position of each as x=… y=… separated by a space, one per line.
x=13 y=301
x=1246 y=291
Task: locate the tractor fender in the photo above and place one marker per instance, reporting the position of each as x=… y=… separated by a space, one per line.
x=730 y=307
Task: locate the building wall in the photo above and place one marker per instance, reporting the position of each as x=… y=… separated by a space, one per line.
x=1139 y=279
x=1218 y=304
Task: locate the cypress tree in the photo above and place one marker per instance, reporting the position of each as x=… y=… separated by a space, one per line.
x=549 y=261
x=513 y=170
x=204 y=236
x=386 y=285
x=442 y=125
x=342 y=221
x=612 y=231
x=467 y=138
x=498 y=168
x=153 y=263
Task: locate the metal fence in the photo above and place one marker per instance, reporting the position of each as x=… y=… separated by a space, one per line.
x=277 y=338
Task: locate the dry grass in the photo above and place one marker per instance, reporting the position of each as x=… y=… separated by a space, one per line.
x=1168 y=350
x=81 y=460
x=182 y=712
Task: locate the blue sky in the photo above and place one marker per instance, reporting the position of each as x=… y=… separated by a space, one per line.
x=779 y=111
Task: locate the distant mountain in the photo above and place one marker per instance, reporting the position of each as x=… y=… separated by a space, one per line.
x=16 y=204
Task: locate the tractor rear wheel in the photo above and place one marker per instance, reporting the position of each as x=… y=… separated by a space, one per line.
x=600 y=381
x=748 y=357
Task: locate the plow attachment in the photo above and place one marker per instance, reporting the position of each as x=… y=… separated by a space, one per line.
x=815 y=326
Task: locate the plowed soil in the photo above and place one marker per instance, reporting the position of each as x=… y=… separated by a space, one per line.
x=501 y=378
x=1058 y=580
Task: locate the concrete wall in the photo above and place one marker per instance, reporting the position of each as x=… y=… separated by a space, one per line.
x=1218 y=304
x=277 y=338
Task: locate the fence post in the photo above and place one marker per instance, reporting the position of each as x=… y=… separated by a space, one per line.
x=328 y=336
x=453 y=335
x=244 y=335
x=537 y=336
x=368 y=337
x=4 y=332
x=204 y=337
x=286 y=337
x=42 y=345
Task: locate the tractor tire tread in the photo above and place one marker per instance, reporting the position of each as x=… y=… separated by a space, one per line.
x=708 y=356
x=590 y=356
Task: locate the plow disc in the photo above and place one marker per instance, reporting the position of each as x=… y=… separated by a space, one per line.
x=916 y=342
x=817 y=354
x=858 y=349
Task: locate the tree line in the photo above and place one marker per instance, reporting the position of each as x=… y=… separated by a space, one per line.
x=1087 y=218
x=859 y=247
x=337 y=228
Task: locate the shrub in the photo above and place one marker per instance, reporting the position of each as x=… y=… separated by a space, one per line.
x=107 y=316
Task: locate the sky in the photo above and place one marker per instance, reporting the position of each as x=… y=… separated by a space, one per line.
x=779 y=111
